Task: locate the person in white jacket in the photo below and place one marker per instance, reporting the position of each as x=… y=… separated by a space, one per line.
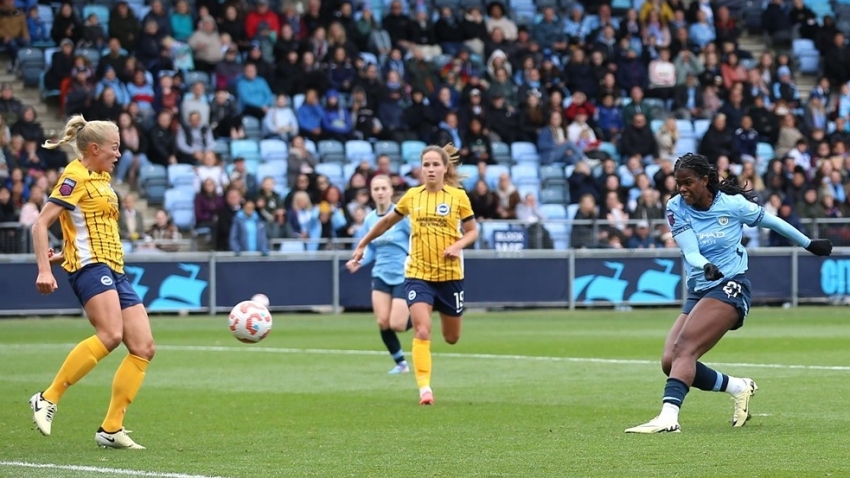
x=280 y=120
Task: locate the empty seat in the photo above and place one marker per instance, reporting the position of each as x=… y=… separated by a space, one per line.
x=522 y=149
x=273 y=149
x=242 y=147
x=359 y=150
x=273 y=169
x=553 y=211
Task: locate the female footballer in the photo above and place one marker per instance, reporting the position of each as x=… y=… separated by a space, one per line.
x=706 y=219
x=389 y=252
x=87 y=209
x=442 y=225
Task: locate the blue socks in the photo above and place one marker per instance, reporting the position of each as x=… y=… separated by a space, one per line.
x=674 y=392
x=709 y=380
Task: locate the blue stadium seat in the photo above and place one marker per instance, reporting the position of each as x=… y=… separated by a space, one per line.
x=411 y=150
x=331 y=170
x=330 y=146
x=524 y=171
x=310 y=146
x=252 y=126
x=273 y=169
x=178 y=197
x=45 y=13
x=650 y=171
x=488 y=228
x=471 y=173
x=809 y=63
x=610 y=149
x=193 y=77
x=801 y=46
x=656 y=125
x=700 y=127
x=526 y=188
x=359 y=150
x=560 y=233
x=273 y=149
x=243 y=147
x=501 y=153
x=291 y=246
x=297 y=101
x=91 y=54
x=685 y=146
x=522 y=149
x=493 y=173
x=390 y=148
x=183 y=218
x=553 y=211
x=765 y=151
x=553 y=195
x=369 y=58
x=181 y=175
x=552 y=173
x=100 y=11
x=684 y=126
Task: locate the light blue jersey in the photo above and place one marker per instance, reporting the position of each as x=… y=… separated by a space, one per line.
x=389 y=251
x=716 y=233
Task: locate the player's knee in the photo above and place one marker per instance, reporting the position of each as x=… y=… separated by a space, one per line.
x=399 y=327
x=145 y=349
x=110 y=338
x=451 y=338
x=681 y=349
x=423 y=333
x=383 y=322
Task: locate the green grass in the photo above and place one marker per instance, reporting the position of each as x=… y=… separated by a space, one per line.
x=248 y=411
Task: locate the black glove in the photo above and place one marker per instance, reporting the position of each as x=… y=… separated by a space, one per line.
x=820 y=247
x=712 y=273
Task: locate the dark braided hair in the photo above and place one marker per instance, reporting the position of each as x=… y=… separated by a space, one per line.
x=701 y=167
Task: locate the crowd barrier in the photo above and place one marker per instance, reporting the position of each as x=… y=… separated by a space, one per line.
x=214 y=282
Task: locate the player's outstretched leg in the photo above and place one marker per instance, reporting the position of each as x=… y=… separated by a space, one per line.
x=399 y=321
x=390 y=339
x=80 y=361
x=741 y=390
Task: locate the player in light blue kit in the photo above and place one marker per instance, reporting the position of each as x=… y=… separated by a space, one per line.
x=389 y=252
x=707 y=219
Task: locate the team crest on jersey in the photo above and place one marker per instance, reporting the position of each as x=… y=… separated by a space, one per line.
x=67 y=187
x=723 y=220
x=443 y=209
x=671 y=219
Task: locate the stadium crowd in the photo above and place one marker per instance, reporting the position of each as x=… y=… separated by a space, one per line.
x=561 y=112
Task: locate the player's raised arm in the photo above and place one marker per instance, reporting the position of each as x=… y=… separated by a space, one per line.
x=380 y=227
x=818 y=247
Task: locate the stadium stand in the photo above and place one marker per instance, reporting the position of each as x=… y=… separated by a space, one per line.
x=553 y=105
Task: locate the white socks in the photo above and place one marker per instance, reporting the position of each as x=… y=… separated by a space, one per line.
x=669 y=412
x=736 y=385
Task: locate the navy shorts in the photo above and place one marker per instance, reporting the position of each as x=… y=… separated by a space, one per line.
x=397 y=291
x=734 y=291
x=95 y=279
x=446 y=297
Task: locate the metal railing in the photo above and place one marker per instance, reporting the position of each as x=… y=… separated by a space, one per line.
x=554 y=234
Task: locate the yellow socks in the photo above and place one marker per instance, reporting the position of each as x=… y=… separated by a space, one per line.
x=80 y=361
x=422 y=362
x=127 y=381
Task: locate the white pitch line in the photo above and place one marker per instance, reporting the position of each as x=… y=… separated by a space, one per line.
x=530 y=358
x=98 y=469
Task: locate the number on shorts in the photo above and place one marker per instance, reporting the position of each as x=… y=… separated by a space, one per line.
x=732 y=289
x=458 y=300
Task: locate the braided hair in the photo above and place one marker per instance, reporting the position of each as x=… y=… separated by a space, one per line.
x=701 y=167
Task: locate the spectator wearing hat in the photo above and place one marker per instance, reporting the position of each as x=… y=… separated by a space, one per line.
x=13 y=24
x=336 y=120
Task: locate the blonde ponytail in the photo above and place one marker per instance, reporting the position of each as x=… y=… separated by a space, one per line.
x=452 y=159
x=80 y=133
x=72 y=130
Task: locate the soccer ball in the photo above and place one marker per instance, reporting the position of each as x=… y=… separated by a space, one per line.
x=261 y=299
x=250 y=321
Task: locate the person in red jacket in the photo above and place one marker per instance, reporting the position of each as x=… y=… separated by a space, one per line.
x=261 y=14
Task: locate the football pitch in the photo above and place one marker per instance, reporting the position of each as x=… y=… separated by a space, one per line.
x=523 y=394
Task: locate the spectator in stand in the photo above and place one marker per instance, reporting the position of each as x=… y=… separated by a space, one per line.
x=255 y=96
x=271 y=210
x=196 y=100
x=240 y=173
x=37 y=28
x=583 y=234
x=211 y=168
x=248 y=232
x=310 y=115
x=638 y=139
x=662 y=76
x=719 y=140
x=261 y=14
x=666 y=137
x=134 y=148
x=131 y=221
x=206 y=45
x=8 y=211
x=66 y=25
x=194 y=140
x=208 y=203
x=10 y=107
x=554 y=146
x=746 y=140
x=162 y=141
x=13 y=24
x=485 y=203
x=496 y=19
x=225 y=121
x=164 y=233
x=181 y=22
x=28 y=126
x=336 y=120
x=280 y=120
x=637 y=106
x=508 y=197
x=299 y=162
x=303 y=219
x=232 y=204
x=124 y=25
x=110 y=80
x=105 y=107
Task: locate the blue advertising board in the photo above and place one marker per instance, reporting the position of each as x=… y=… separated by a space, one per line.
x=770 y=277
x=628 y=280
x=512 y=239
x=286 y=283
x=823 y=277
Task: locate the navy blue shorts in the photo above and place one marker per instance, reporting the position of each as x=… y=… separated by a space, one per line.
x=397 y=291
x=446 y=297
x=734 y=291
x=95 y=279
